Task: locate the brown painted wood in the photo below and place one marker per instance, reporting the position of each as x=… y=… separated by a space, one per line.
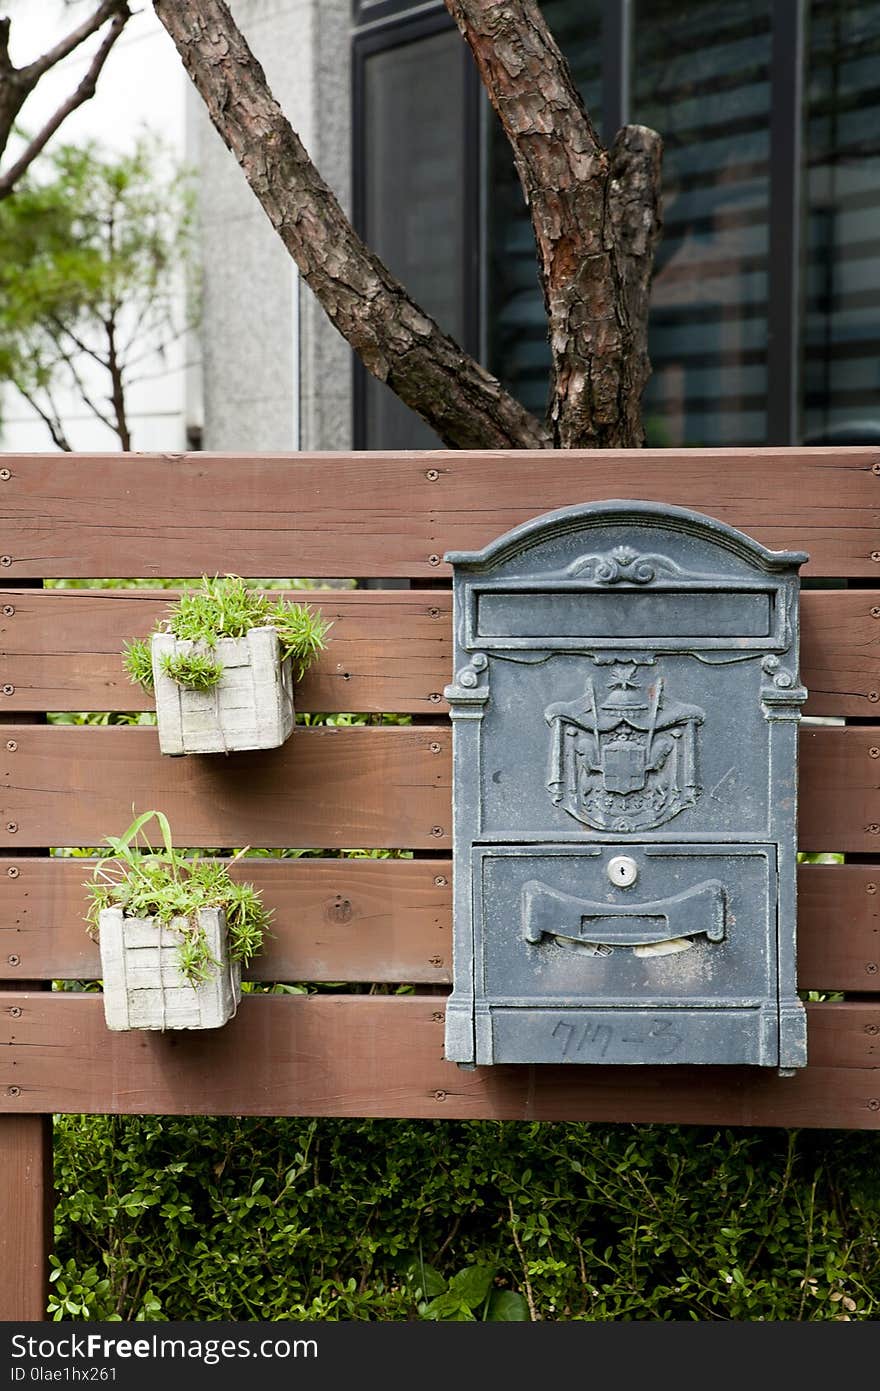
x=840 y=651
x=383 y=1056
x=390 y=921
x=365 y=514
x=838 y=930
x=334 y=787
x=844 y=1034
x=335 y=919
x=839 y=802
x=26 y=1188
x=25 y=1211
x=326 y=787
x=387 y=651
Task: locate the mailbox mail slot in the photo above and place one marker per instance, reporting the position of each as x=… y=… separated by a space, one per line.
x=625 y=707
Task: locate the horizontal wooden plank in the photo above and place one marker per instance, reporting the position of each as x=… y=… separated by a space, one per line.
x=840 y=651
x=328 y=787
x=362 y=787
x=839 y=800
x=838 y=927
x=380 y=1056
x=387 y=651
x=321 y=515
x=334 y=920
x=390 y=921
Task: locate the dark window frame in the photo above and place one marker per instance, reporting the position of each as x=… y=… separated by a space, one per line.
x=401 y=29
x=386 y=24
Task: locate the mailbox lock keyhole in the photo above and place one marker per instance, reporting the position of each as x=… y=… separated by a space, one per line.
x=622 y=871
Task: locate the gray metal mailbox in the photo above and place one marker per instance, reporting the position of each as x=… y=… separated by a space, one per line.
x=625 y=704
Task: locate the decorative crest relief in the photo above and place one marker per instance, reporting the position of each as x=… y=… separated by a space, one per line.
x=623 y=565
x=625 y=759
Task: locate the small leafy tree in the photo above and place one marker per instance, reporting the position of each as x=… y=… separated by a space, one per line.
x=93 y=248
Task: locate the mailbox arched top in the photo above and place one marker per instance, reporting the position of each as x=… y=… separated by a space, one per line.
x=627 y=512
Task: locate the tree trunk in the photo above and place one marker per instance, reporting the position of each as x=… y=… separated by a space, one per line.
x=595 y=217
x=395 y=339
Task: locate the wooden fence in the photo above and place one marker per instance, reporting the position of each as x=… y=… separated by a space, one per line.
x=383 y=922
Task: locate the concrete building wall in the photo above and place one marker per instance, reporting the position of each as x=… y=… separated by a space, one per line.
x=276 y=374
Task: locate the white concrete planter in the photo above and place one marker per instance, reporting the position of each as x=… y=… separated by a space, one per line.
x=143 y=984
x=251 y=707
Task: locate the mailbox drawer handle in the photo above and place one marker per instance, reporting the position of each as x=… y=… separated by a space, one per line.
x=696 y=912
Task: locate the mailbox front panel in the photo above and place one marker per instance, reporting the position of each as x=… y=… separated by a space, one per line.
x=625 y=710
x=691 y=926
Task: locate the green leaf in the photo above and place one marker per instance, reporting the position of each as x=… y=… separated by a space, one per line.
x=473 y=1284
x=506 y=1306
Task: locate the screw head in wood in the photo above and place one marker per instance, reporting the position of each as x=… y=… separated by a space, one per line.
x=16 y=1011
x=440 y=1096
x=12 y=827
x=874 y=696
x=870 y=888
x=434 y=746
x=875 y=610
x=871 y=968
x=435 y=613
x=5 y=559
x=9 y=610
x=435 y=697
x=874 y=752
x=432 y=475
x=875 y=468
x=875 y=555
x=13 y=872
x=13 y=1091
x=441 y=881
x=437 y=831
x=874 y=1104
x=13 y=960
x=5 y=474
x=435 y=559
x=8 y=690
x=11 y=745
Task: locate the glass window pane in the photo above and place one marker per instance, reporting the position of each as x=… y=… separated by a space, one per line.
x=414 y=112
x=841 y=367
x=701 y=78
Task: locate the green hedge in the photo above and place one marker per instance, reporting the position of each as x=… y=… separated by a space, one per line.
x=169 y=1218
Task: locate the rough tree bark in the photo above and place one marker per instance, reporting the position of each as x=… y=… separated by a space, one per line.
x=16 y=84
x=595 y=216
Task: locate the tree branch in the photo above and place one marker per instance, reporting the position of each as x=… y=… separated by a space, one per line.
x=580 y=199
x=52 y=421
x=84 y=92
x=16 y=84
x=59 y=327
x=34 y=71
x=396 y=340
x=80 y=386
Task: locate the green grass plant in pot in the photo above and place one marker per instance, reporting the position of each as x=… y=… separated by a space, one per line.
x=174 y=932
x=223 y=666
